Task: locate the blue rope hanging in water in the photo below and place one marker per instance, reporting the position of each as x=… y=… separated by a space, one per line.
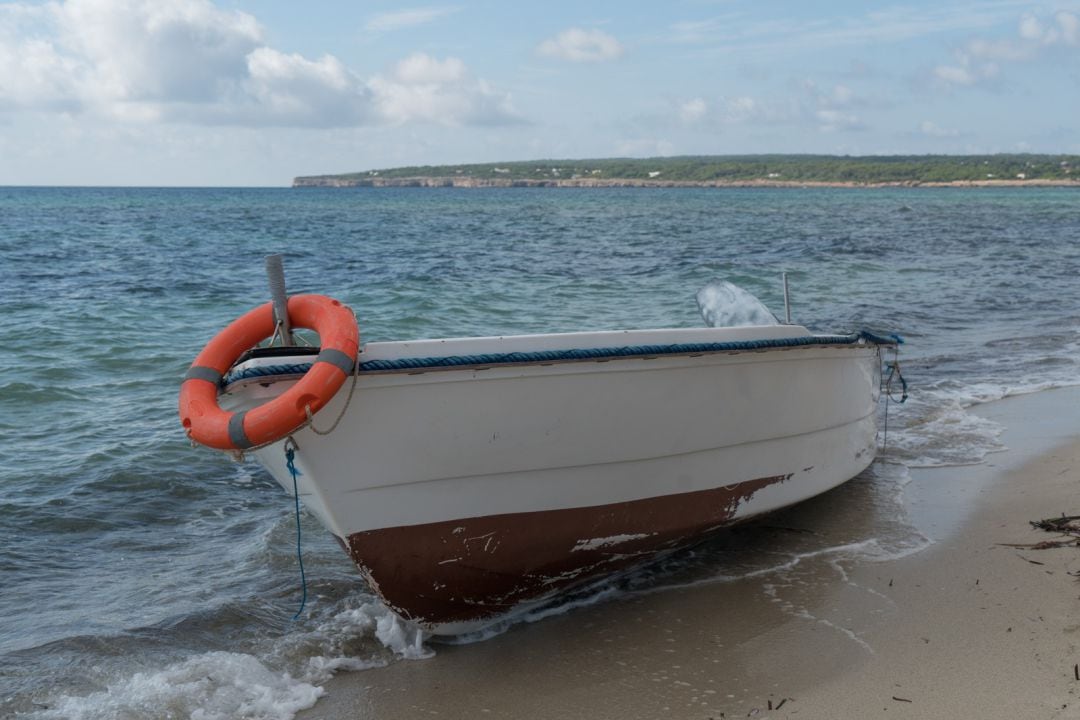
x=894 y=373
x=290 y=455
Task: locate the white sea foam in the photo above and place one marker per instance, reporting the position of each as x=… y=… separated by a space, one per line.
x=936 y=427
x=404 y=638
x=939 y=434
x=225 y=685
x=210 y=686
x=372 y=619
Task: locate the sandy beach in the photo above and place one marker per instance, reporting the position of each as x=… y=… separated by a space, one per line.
x=966 y=627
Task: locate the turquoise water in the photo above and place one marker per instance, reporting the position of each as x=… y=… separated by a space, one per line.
x=132 y=562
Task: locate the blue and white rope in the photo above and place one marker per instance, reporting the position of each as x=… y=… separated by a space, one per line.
x=546 y=356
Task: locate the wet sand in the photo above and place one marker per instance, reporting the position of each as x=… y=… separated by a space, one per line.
x=967 y=627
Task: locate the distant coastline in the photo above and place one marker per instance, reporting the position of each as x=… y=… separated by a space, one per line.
x=466 y=182
x=739 y=171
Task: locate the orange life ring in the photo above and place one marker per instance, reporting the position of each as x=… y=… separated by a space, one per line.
x=205 y=421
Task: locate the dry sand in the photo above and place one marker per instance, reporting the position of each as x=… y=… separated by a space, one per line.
x=966 y=628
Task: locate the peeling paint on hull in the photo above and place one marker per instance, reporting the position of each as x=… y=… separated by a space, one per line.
x=464 y=573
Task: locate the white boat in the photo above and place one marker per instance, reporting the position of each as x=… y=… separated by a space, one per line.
x=468 y=478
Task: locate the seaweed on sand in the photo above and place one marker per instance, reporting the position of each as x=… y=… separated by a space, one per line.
x=1067 y=525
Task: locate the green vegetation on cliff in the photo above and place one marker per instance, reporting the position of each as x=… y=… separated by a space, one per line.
x=749 y=168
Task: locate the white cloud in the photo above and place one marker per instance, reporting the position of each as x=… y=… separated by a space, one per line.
x=577 y=45
x=842 y=95
x=424 y=89
x=735 y=32
x=745 y=109
x=998 y=50
x=740 y=110
x=1064 y=30
x=977 y=64
x=298 y=91
x=189 y=61
x=980 y=60
x=954 y=75
x=421 y=69
x=1070 y=28
x=693 y=110
x=835 y=120
x=839 y=96
x=827 y=110
x=33 y=73
x=130 y=59
x=1031 y=28
x=387 y=21
x=931 y=129
x=179 y=50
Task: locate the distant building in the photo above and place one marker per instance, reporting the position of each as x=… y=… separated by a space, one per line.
x=502 y=171
x=654 y=173
x=1021 y=176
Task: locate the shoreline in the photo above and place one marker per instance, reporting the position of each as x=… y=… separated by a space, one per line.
x=471 y=182
x=965 y=627
x=972 y=627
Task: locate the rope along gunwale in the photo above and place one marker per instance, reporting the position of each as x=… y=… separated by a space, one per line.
x=570 y=355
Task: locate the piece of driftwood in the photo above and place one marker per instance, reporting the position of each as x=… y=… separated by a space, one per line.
x=1045 y=544
x=1067 y=525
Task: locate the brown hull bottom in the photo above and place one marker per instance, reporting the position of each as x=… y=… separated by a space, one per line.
x=448 y=576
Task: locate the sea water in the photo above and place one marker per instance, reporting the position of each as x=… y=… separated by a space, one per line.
x=144 y=578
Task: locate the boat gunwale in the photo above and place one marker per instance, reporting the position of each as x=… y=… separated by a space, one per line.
x=254 y=372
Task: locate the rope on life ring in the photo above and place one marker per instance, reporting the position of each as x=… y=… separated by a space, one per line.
x=208 y=424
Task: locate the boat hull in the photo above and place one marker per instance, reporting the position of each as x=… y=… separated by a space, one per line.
x=464 y=493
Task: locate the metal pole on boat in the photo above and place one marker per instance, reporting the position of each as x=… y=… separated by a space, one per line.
x=275 y=273
x=787 y=302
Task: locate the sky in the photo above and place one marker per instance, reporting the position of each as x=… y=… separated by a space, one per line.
x=255 y=92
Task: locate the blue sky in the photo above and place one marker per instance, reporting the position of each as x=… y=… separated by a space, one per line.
x=247 y=92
